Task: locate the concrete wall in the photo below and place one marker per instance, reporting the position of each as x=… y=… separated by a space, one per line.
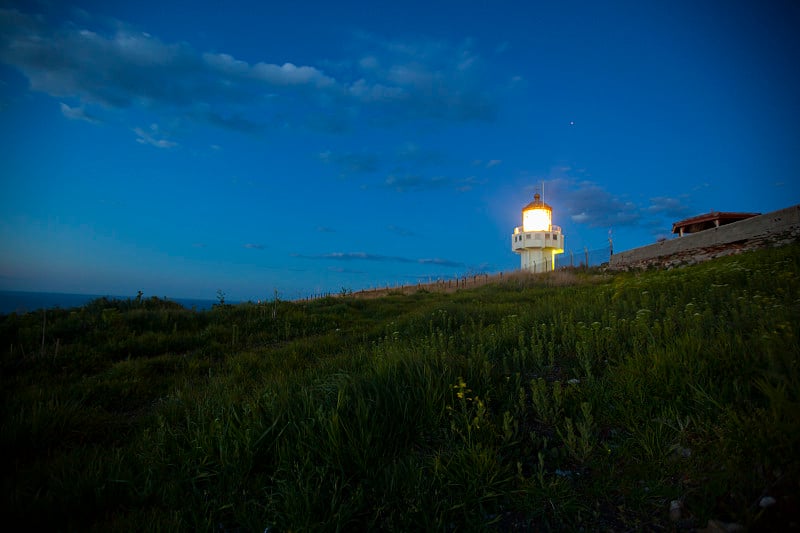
x=775 y=227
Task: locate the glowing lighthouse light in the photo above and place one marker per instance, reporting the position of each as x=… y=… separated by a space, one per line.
x=537 y=241
x=537 y=218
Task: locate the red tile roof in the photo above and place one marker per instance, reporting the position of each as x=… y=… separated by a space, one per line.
x=704 y=221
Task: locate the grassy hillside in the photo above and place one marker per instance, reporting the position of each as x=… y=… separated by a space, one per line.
x=563 y=401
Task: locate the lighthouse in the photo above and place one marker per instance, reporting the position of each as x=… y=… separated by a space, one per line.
x=537 y=241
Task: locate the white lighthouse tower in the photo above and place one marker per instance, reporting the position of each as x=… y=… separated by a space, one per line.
x=537 y=241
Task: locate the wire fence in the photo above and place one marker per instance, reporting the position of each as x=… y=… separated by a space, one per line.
x=583 y=258
x=569 y=259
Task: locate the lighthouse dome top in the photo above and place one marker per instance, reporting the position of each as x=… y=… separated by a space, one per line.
x=537 y=203
x=537 y=215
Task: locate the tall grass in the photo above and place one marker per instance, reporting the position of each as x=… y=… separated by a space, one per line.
x=564 y=401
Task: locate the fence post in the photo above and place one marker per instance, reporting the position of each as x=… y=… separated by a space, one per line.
x=586 y=252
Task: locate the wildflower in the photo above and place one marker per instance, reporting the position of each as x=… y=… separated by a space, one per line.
x=461 y=389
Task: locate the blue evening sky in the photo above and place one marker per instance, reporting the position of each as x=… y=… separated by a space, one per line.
x=179 y=148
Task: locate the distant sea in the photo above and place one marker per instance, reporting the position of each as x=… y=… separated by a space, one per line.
x=23 y=302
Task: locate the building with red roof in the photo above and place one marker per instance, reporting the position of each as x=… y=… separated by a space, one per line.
x=714 y=219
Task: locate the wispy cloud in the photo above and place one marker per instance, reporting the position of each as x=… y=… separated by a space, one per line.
x=671 y=207
x=414 y=154
x=440 y=262
x=78 y=113
x=486 y=164
x=590 y=203
x=284 y=75
x=351 y=163
x=468 y=183
x=400 y=231
x=325 y=229
x=417 y=183
x=109 y=64
x=363 y=256
x=406 y=156
x=409 y=183
x=431 y=79
x=234 y=122
x=342 y=270
x=151 y=137
x=252 y=246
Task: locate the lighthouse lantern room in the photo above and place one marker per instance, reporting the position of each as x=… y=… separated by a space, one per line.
x=537 y=241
